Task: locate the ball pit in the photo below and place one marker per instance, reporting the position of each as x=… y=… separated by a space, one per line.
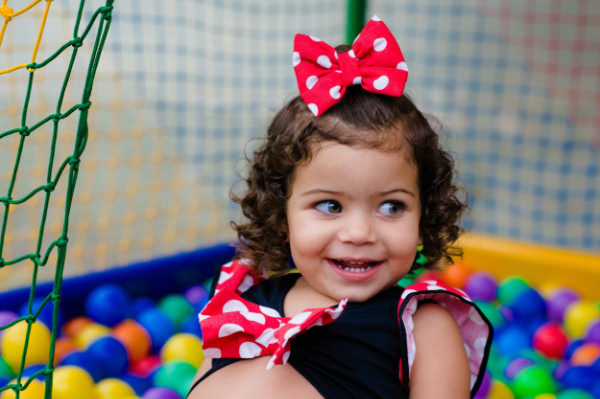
x=546 y=342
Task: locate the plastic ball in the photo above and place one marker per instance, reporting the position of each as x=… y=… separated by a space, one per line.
x=85 y=361
x=574 y=394
x=35 y=390
x=107 y=304
x=62 y=347
x=510 y=288
x=6 y=371
x=528 y=305
x=135 y=338
x=72 y=382
x=161 y=393
x=176 y=375
x=512 y=340
x=578 y=377
x=551 y=341
x=559 y=301
x=515 y=366
x=139 y=305
x=572 y=347
x=158 y=325
x=139 y=384
x=46 y=312
x=196 y=295
x=485 y=386
x=7 y=317
x=545 y=396
x=89 y=334
x=455 y=275
x=578 y=315
x=592 y=333
x=13 y=343
x=482 y=286
x=532 y=381
x=585 y=355
x=500 y=390
x=177 y=308
x=191 y=326
x=111 y=388
x=146 y=366
x=111 y=353
x=30 y=371
x=186 y=347
x=72 y=327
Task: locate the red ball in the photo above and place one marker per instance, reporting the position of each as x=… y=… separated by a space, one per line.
x=551 y=341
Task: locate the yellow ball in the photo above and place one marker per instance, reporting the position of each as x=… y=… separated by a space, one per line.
x=578 y=316
x=89 y=334
x=500 y=390
x=545 y=396
x=35 y=390
x=38 y=347
x=185 y=347
x=111 y=388
x=72 y=382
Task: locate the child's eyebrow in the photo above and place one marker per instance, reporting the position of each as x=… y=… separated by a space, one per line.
x=334 y=192
x=399 y=190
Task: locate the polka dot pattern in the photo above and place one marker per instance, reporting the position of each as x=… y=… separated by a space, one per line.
x=475 y=329
x=375 y=62
x=234 y=327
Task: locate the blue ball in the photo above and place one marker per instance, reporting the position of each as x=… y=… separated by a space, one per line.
x=139 y=384
x=47 y=313
x=529 y=305
x=595 y=389
x=572 y=347
x=107 y=304
x=192 y=326
x=34 y=368
x=578 y=377
x=139 y=305
x=512 y=340
x=111 y=354
x=158 y=325
x=87 y=362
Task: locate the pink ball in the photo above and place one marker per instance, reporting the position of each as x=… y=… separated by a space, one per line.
x=551 y=341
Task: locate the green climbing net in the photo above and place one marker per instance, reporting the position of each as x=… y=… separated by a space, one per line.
x=67 y=169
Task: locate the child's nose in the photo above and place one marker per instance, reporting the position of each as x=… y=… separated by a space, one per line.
x=357 y=229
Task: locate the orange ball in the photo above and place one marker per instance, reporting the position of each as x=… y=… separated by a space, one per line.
x=586 y=354
x=455 y=275
x=62 y=347
x=134 y=337
x=72 y=327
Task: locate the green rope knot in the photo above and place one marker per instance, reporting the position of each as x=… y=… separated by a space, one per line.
x=25 y=132
x=55 y=297
x=62 y=241
x=77 y=42
x=73 y=161
x=49 y=187
x=107 y=13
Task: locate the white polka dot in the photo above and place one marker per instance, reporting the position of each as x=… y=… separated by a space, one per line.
x=256 y=317
x=357 y=81
x=202 y=317
x=334 y=92
x=249 y=350
x=375 y=18
x=229 y=329
x=402 y=65
x=313 y=108
x=286 y=356
x=291 y=332
x=431 y=282
x=467 y=350
x=351 y=54
x=411 y=324
x=212 y=352
x=234 y=306
x=295 y=58
x=269 y=311
x=473 y=379
x=324 y=61
x=479 y=345
x=246 y=283
x=379 y=44
x=406 y=293
x=475 y=317
x=381 y=82
x=224 y=277
x=300 y=318
x=266 y=337
x=314 y=38
x=432 y=287
x=311 y=81
x=335 y=54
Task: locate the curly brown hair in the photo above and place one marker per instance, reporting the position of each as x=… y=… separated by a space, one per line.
x=361 y=119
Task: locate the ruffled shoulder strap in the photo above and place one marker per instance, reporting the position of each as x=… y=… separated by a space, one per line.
x=475 y=328
x=237 y=276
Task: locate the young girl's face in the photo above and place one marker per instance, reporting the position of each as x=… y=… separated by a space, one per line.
x=353 y=218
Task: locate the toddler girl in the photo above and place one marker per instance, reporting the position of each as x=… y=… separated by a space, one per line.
x=351 y=188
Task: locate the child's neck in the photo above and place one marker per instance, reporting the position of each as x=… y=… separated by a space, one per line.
x=302 y=296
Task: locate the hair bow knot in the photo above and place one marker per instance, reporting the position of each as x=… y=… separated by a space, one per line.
x=375 y=62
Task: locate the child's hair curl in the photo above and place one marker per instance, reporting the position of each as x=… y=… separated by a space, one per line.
x=360 y=119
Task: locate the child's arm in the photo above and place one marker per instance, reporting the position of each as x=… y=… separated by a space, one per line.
x=204 y=367
x=441 y=367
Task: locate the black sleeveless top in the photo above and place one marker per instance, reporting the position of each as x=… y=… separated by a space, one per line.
x=356 y=356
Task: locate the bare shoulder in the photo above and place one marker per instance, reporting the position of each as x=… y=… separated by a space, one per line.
x=441 y=367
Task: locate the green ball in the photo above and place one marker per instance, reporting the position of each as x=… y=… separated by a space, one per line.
x=176 y=375
x=177 y=308
x=5 y=370
x=574 y=394
x=532 y=381
x=493 y=314
x=510 y=288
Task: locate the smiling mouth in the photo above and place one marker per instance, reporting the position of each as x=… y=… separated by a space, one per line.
x=354 y=266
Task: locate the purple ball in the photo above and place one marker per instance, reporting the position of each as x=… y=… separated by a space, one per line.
x=593 y=332
x=481 y=286
x=6 y=317
x=196 y=294
x=515 y=366
x=485 y=386
x=160 y=393
x=558 y=303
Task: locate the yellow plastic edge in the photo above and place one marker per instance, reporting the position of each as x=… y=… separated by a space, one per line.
x=537 y=264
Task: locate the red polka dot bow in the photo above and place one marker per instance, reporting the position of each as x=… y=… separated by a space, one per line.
x=375 y=62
